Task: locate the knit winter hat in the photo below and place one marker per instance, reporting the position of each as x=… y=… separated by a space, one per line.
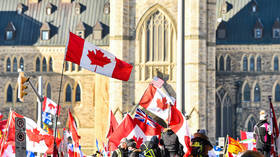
x=124 y=140
x=131 y=144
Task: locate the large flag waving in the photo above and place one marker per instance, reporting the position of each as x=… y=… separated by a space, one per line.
x=275 y=141
x=127 y=129
x=147 y=124
x=37 y=140
x=73 y=129
x=95 y=59
x=113 y=124
x=50 y=106
x=156 y=102
x=179 y=126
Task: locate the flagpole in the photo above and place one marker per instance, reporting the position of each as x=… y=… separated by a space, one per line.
x=273 y=132
x=58 y=103
x=225 y=147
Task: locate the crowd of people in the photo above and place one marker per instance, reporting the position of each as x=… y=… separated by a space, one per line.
x=169 y=146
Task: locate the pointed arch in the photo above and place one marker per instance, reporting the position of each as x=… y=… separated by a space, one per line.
x=66 y=68
x=78 y=93
x=250 y=123
x=275 y=63
x=68 y=93
x=155 y=42
x=252 y=63
x=38 y=64
x=73 y=67
x=224 y=117
x=50 y=65
x=21 y=63
x=15 y=65
x=44 y=65
x=259 y=64
x=222 y=63
x=228 y=63
x=257 y=93
x=245 y=63
x=8 y=65
x=276 y=91
x=9 y=94
x=48 y=90
x=246 y=91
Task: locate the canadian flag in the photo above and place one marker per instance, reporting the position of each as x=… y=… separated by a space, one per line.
x=113 y=124
x=127 y=129
x=247 y=139
x=73 y=129
x=49 y=106
x=37 y=140
x=9 y=150
x=1 y=115
x=95 y=59
x=179 y=126
x=156 y=102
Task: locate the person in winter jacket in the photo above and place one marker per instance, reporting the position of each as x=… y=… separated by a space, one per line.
x=122 y=149
x=200 y=144
x=151 y=148
x=171 y=143
x=262 y=134
x=132 y=150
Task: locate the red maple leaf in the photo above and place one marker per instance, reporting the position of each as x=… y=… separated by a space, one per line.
x=162 y=103
x=51 y=106
x=34 y=135
x=98 y=58
x=138 y=141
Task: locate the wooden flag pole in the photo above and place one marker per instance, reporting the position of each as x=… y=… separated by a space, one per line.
x=58 y=103
x=225 y=147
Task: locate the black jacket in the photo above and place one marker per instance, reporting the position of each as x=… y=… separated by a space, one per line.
x=135 y=153
x=123 y=151
x=170 y=141
x=151 y=145
x=260 y=134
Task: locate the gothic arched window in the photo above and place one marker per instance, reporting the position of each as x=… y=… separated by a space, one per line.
x=78 y=93
x=38 y=65
x=8 y=65
x=252 y=63
x=21 y=64
x=276 y=63
x=246 y=92
x=228 y=64
x=259 y=64
x=245 y=63
x=9 y=94
x=68 y=93
x=73 y=66
x=257 y=93
x=66 y=66
x=44 y=69
x=50 y=65
x=251 y=124
x=222 y=67
x=49 y=91
x=277 y=93
x=156 y=36
x=15 y=65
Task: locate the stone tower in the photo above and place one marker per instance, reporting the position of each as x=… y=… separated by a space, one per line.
x=144 y=33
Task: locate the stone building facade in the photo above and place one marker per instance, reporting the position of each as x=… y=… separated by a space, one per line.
x=144 y=33
x=247 y=63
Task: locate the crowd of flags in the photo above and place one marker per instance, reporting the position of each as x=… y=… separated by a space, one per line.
x=40 y=139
